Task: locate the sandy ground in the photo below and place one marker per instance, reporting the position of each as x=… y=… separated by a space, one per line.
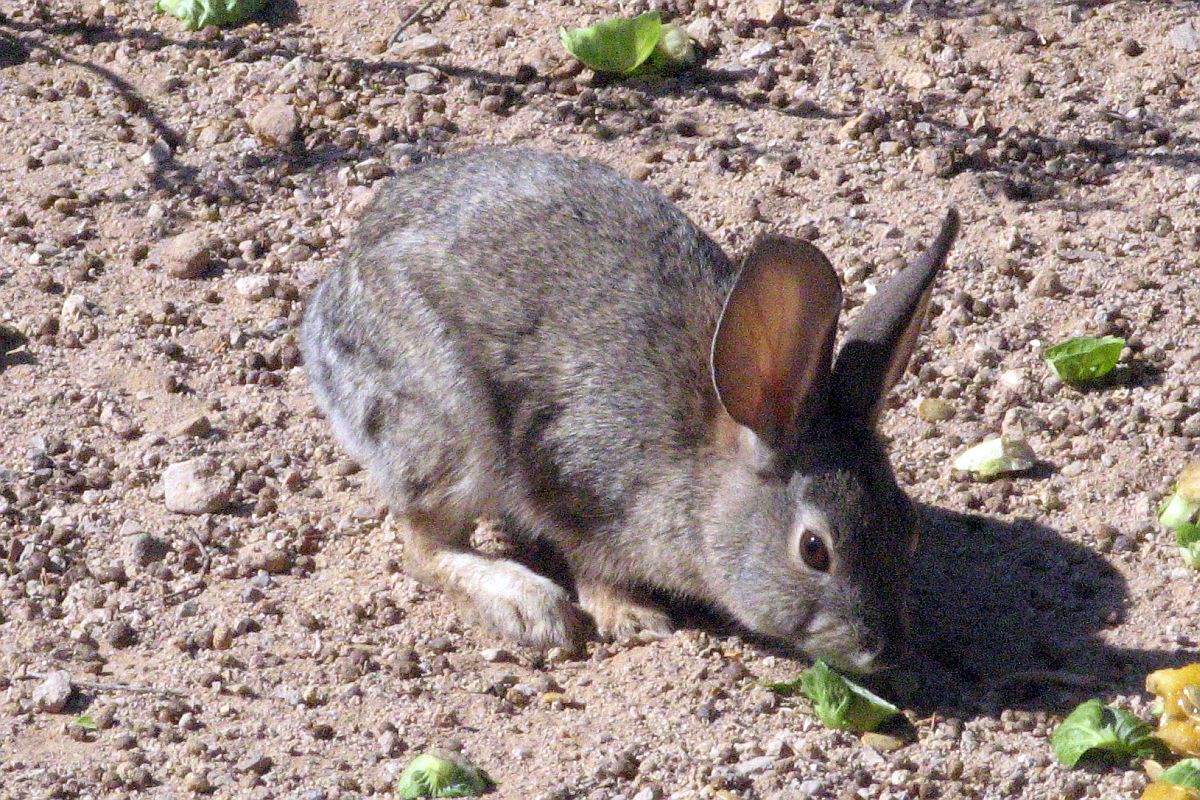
x=275 y=648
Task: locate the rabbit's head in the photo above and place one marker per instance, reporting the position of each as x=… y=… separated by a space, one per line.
x=812 y=540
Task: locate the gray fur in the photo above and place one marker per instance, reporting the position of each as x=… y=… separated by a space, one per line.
x=527 y=335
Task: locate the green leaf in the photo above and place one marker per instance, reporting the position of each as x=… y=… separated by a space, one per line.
x=997 y=456
x=674 y=51
x=1103 y=733
x=441 y=774
x=1186 y=774
x=196 y=14
x=1177 y=511
x=617 y=46
x=1188 y=539
x=1086 y=358
x=841 y=703
x=86 y=722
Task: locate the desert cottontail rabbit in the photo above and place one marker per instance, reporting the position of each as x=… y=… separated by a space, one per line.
x=536 y=338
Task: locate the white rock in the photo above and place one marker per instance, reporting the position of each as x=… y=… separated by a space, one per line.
x=760 y=50
x=277 y=123
x=426 y=44
x=187 y=255
x=255 y=287
x=1185 y=37
x=421 y=82
x=52 y=694
x=197 y=486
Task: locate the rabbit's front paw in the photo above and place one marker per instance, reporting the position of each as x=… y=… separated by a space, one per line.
x=513 y=601
x=618 y=614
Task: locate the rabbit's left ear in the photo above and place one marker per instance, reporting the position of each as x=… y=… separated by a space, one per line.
x=773 y=348
x=882 y=337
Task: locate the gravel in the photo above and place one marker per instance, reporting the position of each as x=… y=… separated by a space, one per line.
x=176 y=521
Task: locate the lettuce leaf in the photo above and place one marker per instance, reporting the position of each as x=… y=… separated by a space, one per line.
x=619 y=46
x=1186 y=774
x=441 y=774
x=1098 y=732
x=196 y=14
x=838 y=702
x=1084 y=359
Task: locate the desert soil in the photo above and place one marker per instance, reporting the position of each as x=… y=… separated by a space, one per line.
x=159 y=236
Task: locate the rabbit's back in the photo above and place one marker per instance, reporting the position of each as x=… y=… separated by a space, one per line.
x=564 y=308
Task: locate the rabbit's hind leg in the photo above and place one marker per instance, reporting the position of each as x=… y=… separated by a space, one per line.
x=504 y=596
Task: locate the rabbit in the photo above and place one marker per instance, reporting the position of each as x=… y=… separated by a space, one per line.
x=531 y=337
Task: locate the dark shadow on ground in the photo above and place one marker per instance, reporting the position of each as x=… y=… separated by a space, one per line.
x=1009 y=614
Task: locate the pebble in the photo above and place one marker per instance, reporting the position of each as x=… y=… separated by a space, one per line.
x=1046 y=283
x=753 y=766
x=1185 y=36
x=759 y=51
x=425 y=44
x=766 y=12
x=187 y=255
x=120 y=634
x=145 y=549
x=932 y=409
x=421 y=82
x=703 y=31
x=277 y=124
x=52 y=694
x=884 y=743
x=196 y=486
x=254 y=287
x=194 y=425
x=256 y=763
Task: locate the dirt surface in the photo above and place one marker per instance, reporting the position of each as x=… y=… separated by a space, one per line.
x=272 y=646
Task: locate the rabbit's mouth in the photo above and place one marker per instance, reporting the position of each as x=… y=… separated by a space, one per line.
x=839 y=645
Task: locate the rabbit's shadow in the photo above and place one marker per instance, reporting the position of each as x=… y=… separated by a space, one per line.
x=1010 y=614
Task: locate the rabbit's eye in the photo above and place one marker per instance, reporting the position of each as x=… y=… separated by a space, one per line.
x=813 y=552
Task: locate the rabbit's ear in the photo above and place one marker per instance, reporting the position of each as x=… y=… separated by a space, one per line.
x=881 y=339
x=773 y=348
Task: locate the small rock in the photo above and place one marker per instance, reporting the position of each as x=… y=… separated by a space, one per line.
x=257 y=763
x=425 y=44
x=255 y=287
x=1185 y=37
x=1019 y=423
x=933 y=409
x=145 y=549
x=1046 y=283
x=120 y=634
x=195 y=425
x=703 y=32
x=919 y=79
x=766 y=12
x=277 y=123
x=759 y=51
x=197 y=782
x=421 y=82
x=623 y=766
x=196 y=486
x=882 y=742
x=222 y=637
x=496 y=655
x=753 y=766
x=187 y=255
x=52 y=694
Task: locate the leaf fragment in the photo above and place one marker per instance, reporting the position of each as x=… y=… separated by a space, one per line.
x=1084 y=359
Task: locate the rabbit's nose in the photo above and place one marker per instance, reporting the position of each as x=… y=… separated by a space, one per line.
x=880 y=653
